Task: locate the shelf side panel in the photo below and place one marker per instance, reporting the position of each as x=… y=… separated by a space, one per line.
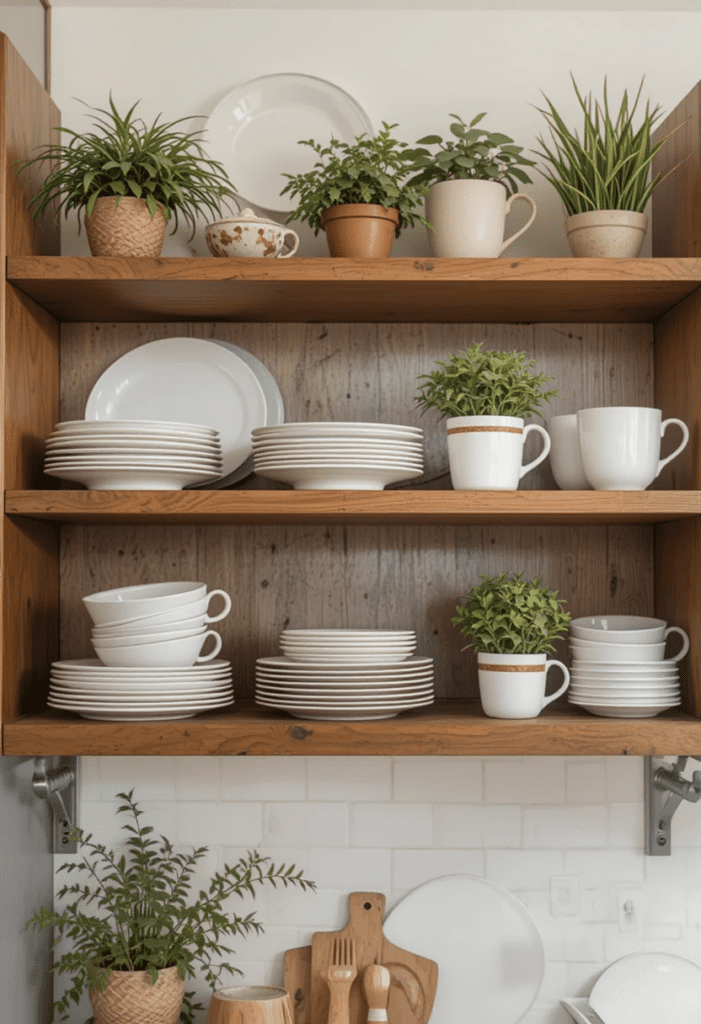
x=678 y=390
x=676 y=202
x=678 y=597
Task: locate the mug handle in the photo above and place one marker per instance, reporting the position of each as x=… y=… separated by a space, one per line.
x=295 y=244
x=685 y=643
x=682 y=446
x=509 y=201
x=546 y=447
x=227 y=606
x=565 y=672
x=217 y=646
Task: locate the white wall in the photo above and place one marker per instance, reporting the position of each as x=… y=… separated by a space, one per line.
x=23 y=24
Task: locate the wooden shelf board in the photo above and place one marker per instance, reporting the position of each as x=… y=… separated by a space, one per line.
x=400 y=506
x=443 y=729
x=74 y=288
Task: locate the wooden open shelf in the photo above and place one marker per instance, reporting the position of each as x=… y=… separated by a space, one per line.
x=399 y=506
x=349 y=290
x=442 y=729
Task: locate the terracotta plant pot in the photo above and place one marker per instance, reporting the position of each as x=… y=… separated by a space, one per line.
x=125 y=230
x=130 y=998
x=606 y=233
x=360 y=230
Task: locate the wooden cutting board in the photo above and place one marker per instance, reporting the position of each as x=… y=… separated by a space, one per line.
x=413 y=978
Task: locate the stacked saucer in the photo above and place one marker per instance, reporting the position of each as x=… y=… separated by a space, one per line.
x=133 y=454
x=338 y=456
x=618 y=666
x=339 y=674
x=96 y=691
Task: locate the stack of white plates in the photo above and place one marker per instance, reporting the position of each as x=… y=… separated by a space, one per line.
x=338 y=456
x=356 y=646
x=93 y=690
x=133 y=454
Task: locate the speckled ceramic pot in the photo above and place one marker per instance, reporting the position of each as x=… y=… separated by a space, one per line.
x=608 y=233
x=249 y=235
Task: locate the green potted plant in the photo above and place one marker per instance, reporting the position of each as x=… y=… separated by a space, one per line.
x=602 y=175
x=513 y=624
x=137 y=933
x=474 y=179
x=358 y=193
x=486 y=396
x=129 y=179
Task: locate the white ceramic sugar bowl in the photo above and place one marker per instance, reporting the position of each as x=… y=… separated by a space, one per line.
x=249 y=235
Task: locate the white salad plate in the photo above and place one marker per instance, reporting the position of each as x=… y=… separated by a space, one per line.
x=361 y=634
x=97 y=478
x=649 y=988
x=193 y=380
x=115 y=427
x=486 y=944
x=343 y=444
x=138 y=461
x=361 y=704
x=338 y=478
x=81 y=666
x=254 y=131
x=339 y=429
x=129 y=447
x=87 y=704
x=285 y=665
x=625 y=710
x=621 y=697
x=167 y=686
x=353 y=658
x=350 y=697
x=115 y=692
x=115 y=700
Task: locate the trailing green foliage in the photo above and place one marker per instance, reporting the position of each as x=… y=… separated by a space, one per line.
x=477 y=383
x=508 y=615
x=143 y=918
x=125 y=157
x=366 y=171
x=473 y=153
x=607 y=167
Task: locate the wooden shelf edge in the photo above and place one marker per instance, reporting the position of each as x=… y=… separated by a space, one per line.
x=442 y=730
x=398 y=506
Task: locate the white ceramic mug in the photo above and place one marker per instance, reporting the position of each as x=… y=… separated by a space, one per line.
x=565 y=457
x=468 y=216
x=485 y=452
x=620 y=446
x=513 y=685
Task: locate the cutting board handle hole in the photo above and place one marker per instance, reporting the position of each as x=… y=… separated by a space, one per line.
x=367 y=905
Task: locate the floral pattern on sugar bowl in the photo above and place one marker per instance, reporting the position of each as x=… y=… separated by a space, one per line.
x=249 y=235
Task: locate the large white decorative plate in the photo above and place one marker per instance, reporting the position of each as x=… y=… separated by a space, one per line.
x=255 y=130
x=192 y=380
x=649 y=988
x=489 y=953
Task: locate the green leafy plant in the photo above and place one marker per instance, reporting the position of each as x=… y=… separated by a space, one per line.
x=125 y=157
x=366 y=171
x=477 y=383
x=472 y=153
x=607 y=166
x=509 y=615
x=143 y=917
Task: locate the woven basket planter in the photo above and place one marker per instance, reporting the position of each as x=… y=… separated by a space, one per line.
x=126 y=229
x=130 y=998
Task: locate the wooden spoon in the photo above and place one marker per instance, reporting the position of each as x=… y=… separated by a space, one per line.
x=376 y=981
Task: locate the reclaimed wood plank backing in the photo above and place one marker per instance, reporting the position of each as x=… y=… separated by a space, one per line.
x=676 y=202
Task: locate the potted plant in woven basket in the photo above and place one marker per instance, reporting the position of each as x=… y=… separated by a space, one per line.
x=512 y=623
x=473 y=179
x=358 y=194
x=129 y=179
x=603 y=175
x=137 y=933
x=486 y=397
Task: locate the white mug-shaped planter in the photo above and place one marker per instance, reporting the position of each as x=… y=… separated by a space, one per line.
x=486 y=452
x=513 y=685
x=468 y=217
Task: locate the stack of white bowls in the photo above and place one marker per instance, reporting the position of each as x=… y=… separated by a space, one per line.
x=133 y=454
x=149 y=641
x=619 y=669
x=342 y=674
x=338 y=456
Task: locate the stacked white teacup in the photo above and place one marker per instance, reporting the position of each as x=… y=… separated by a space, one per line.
x=619 y=669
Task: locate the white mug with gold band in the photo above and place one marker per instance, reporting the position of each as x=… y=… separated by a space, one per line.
x=486 y=452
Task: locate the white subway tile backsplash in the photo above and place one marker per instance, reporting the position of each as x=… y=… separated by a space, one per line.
x=585 y=782
x=263 y=778
x=151 y=778
x=600 y=867
x=204 y=823
x=523 y=869
x=626 y=824
x=438 y=779
x=474 y=826
x=197 y=778
x=566 y=827
x=414 y=867
x=525 y=780
x=353 y=870
x=390 y=825
x=624 y=779
x=349 y=778
x=313 y=824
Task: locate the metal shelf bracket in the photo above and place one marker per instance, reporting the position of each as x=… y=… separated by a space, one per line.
x=665 y=788
x=56 y=783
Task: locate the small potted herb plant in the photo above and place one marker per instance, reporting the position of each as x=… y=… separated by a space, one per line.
x=602 y=176
x=513 y=623
x=474 y=179
x=358 y=193
x=129 y=179
x=135 y=930
x=487 y=396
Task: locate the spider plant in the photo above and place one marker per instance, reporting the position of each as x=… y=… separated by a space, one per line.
x=607 y=167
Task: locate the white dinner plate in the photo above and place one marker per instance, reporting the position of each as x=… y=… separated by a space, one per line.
x=79 y=666
x=489 y=953
x=350 y=697
x=135 y=461
x=98 y=478
x=254 y=132
x=87 y=705
x=649 y=988
x=211 y=382
x=108 y=428
x=309 y=703
x=624 y=710
x=361 y=634
x=369 y=444
x=140 y=715
x=339 y=429
x=151 y=702
x=339 y=478
x=117 y=446
x=285 y=665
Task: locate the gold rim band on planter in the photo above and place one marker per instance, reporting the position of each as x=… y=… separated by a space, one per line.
x=511 y=668
x=485 y=430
